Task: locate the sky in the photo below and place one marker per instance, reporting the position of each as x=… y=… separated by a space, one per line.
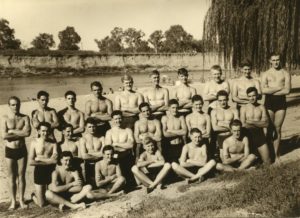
x=94 y=19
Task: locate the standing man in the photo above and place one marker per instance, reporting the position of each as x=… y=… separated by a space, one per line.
x=128 y=102
x=276 y=84
x=45 y=113
x=99 y=108
x=157 y=96
x=14 y=128
x=71 y=115
x=254 y=117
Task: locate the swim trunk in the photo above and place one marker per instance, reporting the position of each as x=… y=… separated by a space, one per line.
x=126 y=161
x=275 y=102
x=65 y=195
x=256 y=137
x=15 y=153
x=193 y=169
x=153 y=172
x=128 y=122
x=102 y=128
x=172 y=152
x=42 y=174
x=220 y=140
x=89 y=167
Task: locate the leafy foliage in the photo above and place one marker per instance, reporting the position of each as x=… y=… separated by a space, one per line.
x=69 y=39
x=43 y=41
x=7 y=36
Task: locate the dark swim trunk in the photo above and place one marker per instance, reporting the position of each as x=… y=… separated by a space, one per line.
x=42 y=174
x=275 y=102
x=172 y=152
x=193 y=169
x=102 y=128
x=15 y=153
x=256 y=137
x=153 y=172
x=220 y=140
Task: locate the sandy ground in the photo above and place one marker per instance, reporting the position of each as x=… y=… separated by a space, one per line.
x=290 y=150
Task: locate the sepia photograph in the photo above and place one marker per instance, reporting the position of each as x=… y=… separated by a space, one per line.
x=149 y=108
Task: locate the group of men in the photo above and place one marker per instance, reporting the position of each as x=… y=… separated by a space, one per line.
x=141 y=137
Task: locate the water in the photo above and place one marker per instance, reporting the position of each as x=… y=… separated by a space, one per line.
x=27 y=88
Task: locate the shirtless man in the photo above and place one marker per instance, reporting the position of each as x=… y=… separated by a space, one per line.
x=221 y=118
x=68 y=143
x=193 y=162
x=151 y=168
x=276 y=84
x=90 y=147
x=128 y=102
x=212 y=87
x=71 y=115
x=184 y=92
x=99 y=108
x=236 y=153
x=44 y=113
x=240 y=85
x=14 y=128
x=174 y=131
x=157 y=96
x=108 y=173
x=146 y=125
x=43 y=156
x=254 y=117
x=122 y=140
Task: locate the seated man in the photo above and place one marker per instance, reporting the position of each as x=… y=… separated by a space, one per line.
x=43 y=156
x=108 y=173
x=146 y=125
x=235 y=154
x=193 y=164
x=151 y=167
x=254 y=117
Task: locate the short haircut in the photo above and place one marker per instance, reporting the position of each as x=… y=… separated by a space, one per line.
x=116 y=112
x=173 y=101
x=182 y=71
x=147 y=139
x=154 y=72
x=216 y=67
x=274 y=53
x=67 y=125
x=251 y=89
x=246 y=63
x=97 y=84
x=70 y=92
x=66 y=154
x=143 y=104
x=42 y=93
x=126 y=77
x=14 y=98
x=91 y=120
x=235 y=123
x=195 y=130
x=197 y=98
x=46 y=124
x=108 y=148
x=222 y=93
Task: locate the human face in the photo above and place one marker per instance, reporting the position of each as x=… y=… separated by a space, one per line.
x=43 y=101
x=97 y=91
x=223 y=101
x=275 y=61
x=70 y=99
x=149 y=147
x=196 y=138
x=127 y=84
x=145 y=112
x=246 y=71
x=236 y=131
x=43 y=132
x=66 y=162
x=183 y=78
x=216 y=75
x=14 y=106
x=252 y=96
x=108 y=155
x=197 y=105
x=117 y=120
x=91 y=128
x=155 y=79
x=68 y=132
x=173 y=109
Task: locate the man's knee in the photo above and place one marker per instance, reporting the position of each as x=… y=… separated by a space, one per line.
x=175 y=166
x=134 y=169
x=121 y=179
x=212 y=163
x=49 y=194
x=167 y=166
x=251 y=157
x=219 y=166
x=87 y=188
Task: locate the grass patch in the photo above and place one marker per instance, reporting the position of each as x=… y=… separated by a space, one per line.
x=272 y=191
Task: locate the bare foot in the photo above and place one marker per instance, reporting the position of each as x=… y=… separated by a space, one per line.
x=34 y=198
x=159 y=186
x=12 y=206
x=201 y=179
x=23 y=205
x=118 y=193
x=75 y=198
x=61 y=207
x=80 y=206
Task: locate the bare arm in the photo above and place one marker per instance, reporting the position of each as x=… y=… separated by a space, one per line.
x=183 y=130
x=201 y=160
x=214 y=123
x=227 y=159
x=80 y=128
x=142 y=162
x=265 y=86
x=287 y=85
x=206 y=95
x=84 y=152
x=129 y=143
x=157 y=135
x=34 y=119
x=55 y=122
x=263 y=122
x=166 y=133
x=235 y=96
x=183 y=158
x=243 y=118
x=159 y=162
x=208 y=127
x=100 y=179
x=54 y=186
x=137 y=132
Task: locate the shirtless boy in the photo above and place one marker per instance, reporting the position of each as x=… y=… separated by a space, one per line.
x=193 y=162
x=146 y=125
x=108 y=173
x=15 y=127
x=99 y=108
x=254 y=118
x=43 y=156
x=44 y=113
x=151 y=168
x=236 y=153
x=212 y=87
x=276 y=84
x=71 y=115
x=240 y=85
x=128 y=102
x=157 y=96
x=184 y=92
x=174 y=131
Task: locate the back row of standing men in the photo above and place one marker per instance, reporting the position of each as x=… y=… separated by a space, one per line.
x=151 y=117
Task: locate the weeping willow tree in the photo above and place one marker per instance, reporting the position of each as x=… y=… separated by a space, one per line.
x=252 y=29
